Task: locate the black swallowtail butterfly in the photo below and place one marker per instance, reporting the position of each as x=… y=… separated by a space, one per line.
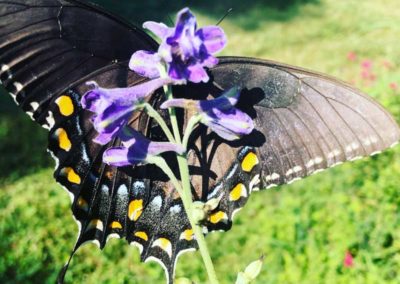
x=305 y=122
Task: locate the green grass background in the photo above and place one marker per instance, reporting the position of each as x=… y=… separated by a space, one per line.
x=303 y=229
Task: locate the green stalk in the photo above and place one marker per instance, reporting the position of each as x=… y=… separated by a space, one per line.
x=160 y=162
x=171 y=111
x=154 y=114
x=172 y=115
x=189 y=128
x=186 y=196
x=186 y=191
x=197 y=229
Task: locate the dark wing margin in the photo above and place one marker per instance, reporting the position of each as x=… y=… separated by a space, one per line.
x=304 y=123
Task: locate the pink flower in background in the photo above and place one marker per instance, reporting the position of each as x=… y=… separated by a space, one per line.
x=368 y=75
x=365 y=74
x=348 y=260
x=366 y=71
x=372 y=77
x=366 y=64
x=351 y=56
x=387 y=64
x=394 y=86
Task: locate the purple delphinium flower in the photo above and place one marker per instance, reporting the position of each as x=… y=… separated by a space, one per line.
x=136 y=149
x=185 y=50
x=219 y=114
x=114 y=107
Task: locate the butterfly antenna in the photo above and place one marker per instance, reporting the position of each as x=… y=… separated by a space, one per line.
x=224 y=16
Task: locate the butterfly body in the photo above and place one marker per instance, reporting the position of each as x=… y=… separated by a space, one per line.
x=304 y=122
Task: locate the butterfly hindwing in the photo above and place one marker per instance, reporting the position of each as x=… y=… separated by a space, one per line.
x=136 y=203
x=304 y=123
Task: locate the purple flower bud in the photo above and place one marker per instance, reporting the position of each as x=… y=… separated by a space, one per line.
x=114 y=107
x=136 y=149
x=219 y=114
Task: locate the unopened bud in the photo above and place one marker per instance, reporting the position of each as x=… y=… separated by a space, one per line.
x=251 y=272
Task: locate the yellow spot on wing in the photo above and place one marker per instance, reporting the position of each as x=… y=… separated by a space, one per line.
x=142 y=235
x=249 y=161
x=164 y=244
x=72 y=176
x=65 y=105
x=63 y=140
x=187 y=235
x=135 y=209
x=218 y=217
x=83 y=204
x=238 y=191
x=115 y=225
x=95 y=223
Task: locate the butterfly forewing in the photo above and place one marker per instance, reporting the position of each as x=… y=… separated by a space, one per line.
x=48 y=45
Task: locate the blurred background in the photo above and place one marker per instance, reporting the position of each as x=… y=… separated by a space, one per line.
x=340 y=226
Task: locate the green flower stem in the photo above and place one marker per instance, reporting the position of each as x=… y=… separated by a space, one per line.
x=162 y=164
x=171 y=111
x=154 y=114
x=186 y=192
x=186 y=195
x=197 y=229
x=189 y=128
x=172 y=115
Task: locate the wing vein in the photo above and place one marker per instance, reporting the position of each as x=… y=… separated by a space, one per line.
x=338 y=114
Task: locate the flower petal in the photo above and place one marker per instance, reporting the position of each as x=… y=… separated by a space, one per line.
x=197 y=74
x=109 y=123
x=235 y=120
x=143 y=90
x=230 y=124
x=93 y=100
x=146 y=64
x=190 y=46
x=117 y=156
x=114 y=107
x=136 y=149
x=222 y=131
x=105 y=137
x=181 y=103
x=134 y=139
x=131 y=95
x=156 y=148
x=112 y=117
x=224 y=102
x=164 y=51
x=177 y=70
x=159 y=29
x=185 y=25
x=210 y=61
x=213 y=38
